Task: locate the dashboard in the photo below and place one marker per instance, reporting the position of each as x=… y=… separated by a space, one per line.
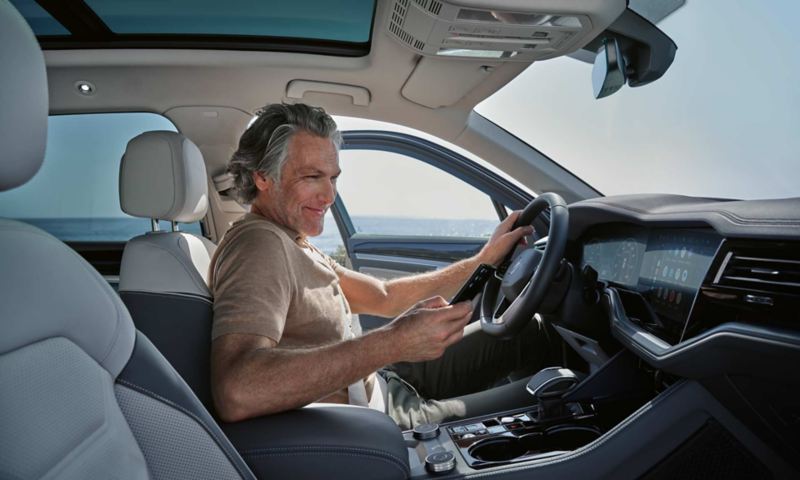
x=664 y=265
x=698 y=289
x=680 y=274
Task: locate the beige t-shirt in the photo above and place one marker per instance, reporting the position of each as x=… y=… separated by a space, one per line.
x=267 y=281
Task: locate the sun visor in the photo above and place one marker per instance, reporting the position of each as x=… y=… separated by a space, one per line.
x=438 y=82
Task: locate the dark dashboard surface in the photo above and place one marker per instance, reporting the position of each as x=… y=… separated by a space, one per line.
x=684 y=265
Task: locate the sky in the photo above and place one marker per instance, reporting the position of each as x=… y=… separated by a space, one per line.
x=724 y=121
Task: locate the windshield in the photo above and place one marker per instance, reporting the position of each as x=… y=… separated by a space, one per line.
x=723 y=121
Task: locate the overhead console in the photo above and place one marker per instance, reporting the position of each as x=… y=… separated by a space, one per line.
x=507 y=30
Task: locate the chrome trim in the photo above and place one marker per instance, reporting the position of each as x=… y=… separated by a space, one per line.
x=370 y=257
x=723 y=266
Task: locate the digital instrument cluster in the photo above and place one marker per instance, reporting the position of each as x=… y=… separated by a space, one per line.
x=666 y=266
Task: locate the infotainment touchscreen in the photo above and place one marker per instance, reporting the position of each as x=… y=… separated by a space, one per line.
x=674 y=265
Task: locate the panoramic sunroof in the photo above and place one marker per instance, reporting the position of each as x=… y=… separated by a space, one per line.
x=328 y=27
x=41 y=22
x=341 y=20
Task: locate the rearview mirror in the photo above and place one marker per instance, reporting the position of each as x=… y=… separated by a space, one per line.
x=608 y=73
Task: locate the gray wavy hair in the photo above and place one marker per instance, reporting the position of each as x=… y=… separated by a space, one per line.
x=264 y=145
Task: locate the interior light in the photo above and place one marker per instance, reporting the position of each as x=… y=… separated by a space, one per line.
x=84 y=87
x=468 y=52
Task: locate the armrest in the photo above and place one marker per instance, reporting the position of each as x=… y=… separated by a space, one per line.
x=322 y=441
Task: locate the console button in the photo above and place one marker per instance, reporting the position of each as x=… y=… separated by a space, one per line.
x=459 y=429
x=497 y=429
x=440 y=462
x=508 y=419
x=426 y=431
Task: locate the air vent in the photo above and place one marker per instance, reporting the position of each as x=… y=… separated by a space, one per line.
x=777 y=273
x=396 y=23
x=430 y=5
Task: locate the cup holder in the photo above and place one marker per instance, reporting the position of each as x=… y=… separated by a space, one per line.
x=498 y=449
x=569 y=438
x=505 y=448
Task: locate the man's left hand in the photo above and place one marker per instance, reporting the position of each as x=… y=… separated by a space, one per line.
x=503 y=240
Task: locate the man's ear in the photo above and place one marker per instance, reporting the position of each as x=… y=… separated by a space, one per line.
x=262 y=182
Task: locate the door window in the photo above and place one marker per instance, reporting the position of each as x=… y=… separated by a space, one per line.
x=387 y=193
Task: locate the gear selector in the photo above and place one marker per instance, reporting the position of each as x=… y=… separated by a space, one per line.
x=549 y=386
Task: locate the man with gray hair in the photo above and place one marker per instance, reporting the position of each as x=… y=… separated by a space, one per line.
x=282 y=334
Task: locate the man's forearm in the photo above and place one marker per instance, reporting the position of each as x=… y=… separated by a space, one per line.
x=269 y=380
x=406 y=291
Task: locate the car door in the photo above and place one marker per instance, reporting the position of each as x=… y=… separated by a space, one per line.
x=407 y=205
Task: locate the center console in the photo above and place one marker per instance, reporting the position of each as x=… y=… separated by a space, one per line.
x=567 y=413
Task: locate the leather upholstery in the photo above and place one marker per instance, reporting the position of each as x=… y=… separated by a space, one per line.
x=180 y=328
x=163 y=176
x=23 y=97
x=150 y=374
x=47 y=290
x=166 y=262
x=322 y=441
x=65 y=335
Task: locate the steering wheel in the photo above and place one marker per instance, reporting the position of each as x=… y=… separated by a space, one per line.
x=508 y=305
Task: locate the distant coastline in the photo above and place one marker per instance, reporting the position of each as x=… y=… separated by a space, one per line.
x=121 y=229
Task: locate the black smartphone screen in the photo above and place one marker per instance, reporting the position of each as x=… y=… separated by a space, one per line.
x=474 y=285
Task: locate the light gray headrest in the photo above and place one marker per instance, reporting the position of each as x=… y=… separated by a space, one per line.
x=23 y=100
x=163 y=176
x=47 y=291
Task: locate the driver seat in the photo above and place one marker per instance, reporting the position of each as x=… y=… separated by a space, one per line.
x=83 y=394
x=163 y=275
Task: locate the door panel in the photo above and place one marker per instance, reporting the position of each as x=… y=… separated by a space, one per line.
x=390 y=255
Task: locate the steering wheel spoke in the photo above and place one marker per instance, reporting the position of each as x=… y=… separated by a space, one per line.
x=513 y=297
x=502 y=305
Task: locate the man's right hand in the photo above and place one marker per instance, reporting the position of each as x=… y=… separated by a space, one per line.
x=428 y=328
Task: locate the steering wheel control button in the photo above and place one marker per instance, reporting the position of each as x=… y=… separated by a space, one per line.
x=440 y=462
x=426 y=431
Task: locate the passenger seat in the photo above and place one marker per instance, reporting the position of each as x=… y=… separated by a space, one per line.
x=163 y=274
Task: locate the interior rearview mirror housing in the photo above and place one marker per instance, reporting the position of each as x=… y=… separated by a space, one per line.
x=608 y=73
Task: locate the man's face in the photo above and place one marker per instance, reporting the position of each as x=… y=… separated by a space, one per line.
x=307 y=187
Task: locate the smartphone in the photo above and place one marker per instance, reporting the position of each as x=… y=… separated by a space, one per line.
x=474 y=285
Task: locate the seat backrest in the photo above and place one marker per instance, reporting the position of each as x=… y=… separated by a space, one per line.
x=163 y=275
x=81 y=394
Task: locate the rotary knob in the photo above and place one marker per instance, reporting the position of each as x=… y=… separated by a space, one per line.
x=426 y=431
x=440 y=462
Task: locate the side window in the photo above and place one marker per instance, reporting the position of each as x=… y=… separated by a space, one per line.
x=75 y=194
x=392 y=194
